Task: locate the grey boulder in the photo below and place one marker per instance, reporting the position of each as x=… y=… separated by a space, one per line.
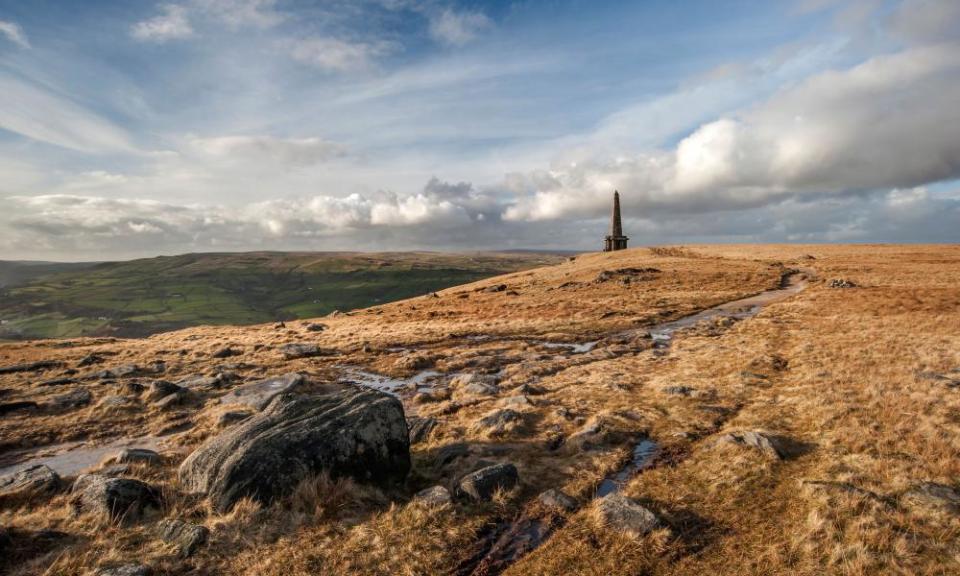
x=339 y=429
x=116 y=499
x=36 y=479
x=625 y=515
x=185 y=536
x=482 y=484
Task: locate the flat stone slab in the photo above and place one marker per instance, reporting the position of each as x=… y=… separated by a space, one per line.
x=259 y=394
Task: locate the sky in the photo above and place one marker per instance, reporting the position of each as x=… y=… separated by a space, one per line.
x=133 y=129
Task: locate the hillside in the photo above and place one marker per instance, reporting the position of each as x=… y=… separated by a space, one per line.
x=748 y=410
x=142 y=297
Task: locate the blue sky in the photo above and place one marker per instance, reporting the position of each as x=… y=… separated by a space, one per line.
x=138 y=128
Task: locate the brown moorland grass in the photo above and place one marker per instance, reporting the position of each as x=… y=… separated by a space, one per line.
x=860 y=380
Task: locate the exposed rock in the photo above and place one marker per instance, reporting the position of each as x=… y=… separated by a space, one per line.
x=433 y=496
x=482 y=484
x=73 y=399
x=58 y=381
x=160 y=388
x=420 y=428
x=841 y=283
x=554 y=499
x=499 y=422
x=232 y=417
x=451 y=452
x=226 y=352
x=932 y=497
x=201 y=382
x=126 y=570
x=8 y=407
x=519 y=401
x=495 y=288
x=89 y=360
x=36 y=479
x=116 y=499
x=301 y=350
x=678 y=390
x=412 y=362
x=30 y=366
x=171 y=400
x=185 y=536
x=769 y=445
x=342 y=430
x=135 y=456
x=315 y=327
x=625 y=515
x=125 y=370
x=259 y=394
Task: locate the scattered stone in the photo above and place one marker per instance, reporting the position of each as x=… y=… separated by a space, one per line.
x=519 y=401
x=433 y=496
x=279 y=325
x=626 y=275
x=499 y=422
x=554 y=499
x=36 y=479
x=450 y=452
x=420 y=428
x=135 y=456
x=73 y=399
x=8 y=407
x=678 y=390
x=161 y=388
x=125 y=370
x=769 y=445
x=625 y=515
x=30 y=366
x=482 y=484
x=232 y=417
x=171 y=400
x=494 y=288
x=260 y=393
x=126 y=570
x=201 y=382
x=300 y=350
x=411 y=362
x=89 y=360
x=315 y=327
x=340 y=429
x=116 y=499
x=932 y=497
x=58 y=381
x=226 y=352
x=185 y=536
x=529 y=390
x=841 y=283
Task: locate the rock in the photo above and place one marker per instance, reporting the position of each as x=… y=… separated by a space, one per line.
x=433 y=496
x=556 y=500
x=519 y=401
x=841 y=283
x=185 y=536
x=495 y=288
x=171 y=400
x=116 y=499
x=315 y=327
x=625 y=515
x=36 y=479
x=73 y=399
x=420 y=428
x=30 y=366
x=8 y=407
x=135 y=456
x=932 y=497
x=678 y=390
x=499 y=422
x=260 y=393
x=232 y=417
x=160 y=388
x=89 y=360
x=125 y=370
x=200 y=382
x=482 y=484
x=126 y=570
x=226 y=352
x=769 y=445
x=58 y=381
x=412 y=362
x=451 y=452
x=340 y=429
x=299 y=350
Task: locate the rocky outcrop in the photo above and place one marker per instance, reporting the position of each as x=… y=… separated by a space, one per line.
x=36 y=479
x=186 y=537
x=301 y=350
x=625 y=515
x=433 y=496
x=771 y=446
x=339 y=429
x=557 y=500
x=260 y=393
x=115 y=499
x=160 y=389
x=482 y=484
x=30 y=366
x=73 y=399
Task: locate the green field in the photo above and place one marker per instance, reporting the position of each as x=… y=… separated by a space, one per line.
x=141 y=297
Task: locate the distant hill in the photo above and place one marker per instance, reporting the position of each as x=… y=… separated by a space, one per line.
x=142 y=297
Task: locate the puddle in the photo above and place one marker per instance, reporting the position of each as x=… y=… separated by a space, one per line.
x=421 y=382
x=643 y=454
x=72 y=458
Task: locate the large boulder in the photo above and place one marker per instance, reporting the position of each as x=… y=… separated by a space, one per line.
x=36 y=479
x=116 y=499
x=625 y=515
x=335 y=428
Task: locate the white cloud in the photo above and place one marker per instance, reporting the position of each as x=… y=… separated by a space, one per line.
x=927 y=21
x=240 y=13
x=171 y=24
x=337 y=55
x=14 y=33
x=457 y=28
x=285 y=151
x=41 y=114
